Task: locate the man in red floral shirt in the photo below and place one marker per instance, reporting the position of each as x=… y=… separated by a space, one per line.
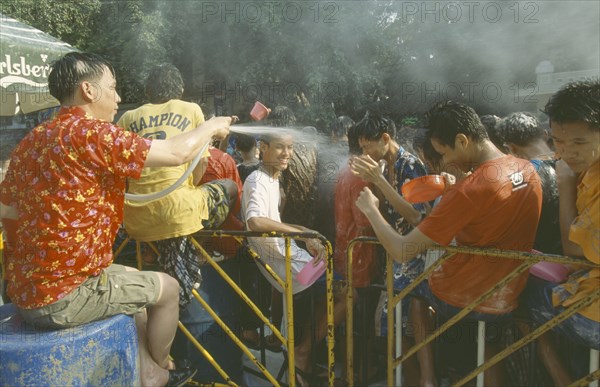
x=63 y=198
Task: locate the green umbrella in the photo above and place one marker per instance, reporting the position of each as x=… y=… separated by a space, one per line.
x=25 y=57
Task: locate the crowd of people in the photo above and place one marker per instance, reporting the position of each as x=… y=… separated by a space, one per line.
x=511 y=184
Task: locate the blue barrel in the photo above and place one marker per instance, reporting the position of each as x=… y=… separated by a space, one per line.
x=101 y=353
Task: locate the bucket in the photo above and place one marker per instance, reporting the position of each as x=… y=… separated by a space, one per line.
x=259 y=112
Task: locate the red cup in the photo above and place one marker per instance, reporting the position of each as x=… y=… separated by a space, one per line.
x=259 y=111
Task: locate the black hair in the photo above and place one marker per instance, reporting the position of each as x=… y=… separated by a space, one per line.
x=341 y=125
x=492 y=127
x=373 y=126
x=447 y=119
x=577 y=101
x=353 y=144
x=282 y=116
x=164 y=83
x=67 y=73
x=520 y=129
x=421 y=142
x=244 y=142
x=267 y=137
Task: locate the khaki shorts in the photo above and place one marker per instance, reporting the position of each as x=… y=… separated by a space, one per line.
x=114 y=291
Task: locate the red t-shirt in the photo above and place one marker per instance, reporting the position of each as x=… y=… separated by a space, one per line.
x=497 y=206
x=222 y=166
x=350 y=223
x=67 y=181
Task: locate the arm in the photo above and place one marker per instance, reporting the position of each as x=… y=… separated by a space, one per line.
x=369 y=170
x=184 y=147
x=567 y=208
x=313 y=245
x=401 y=248
x=200 y=170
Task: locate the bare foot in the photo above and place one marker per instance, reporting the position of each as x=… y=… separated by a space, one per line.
x=153 y=375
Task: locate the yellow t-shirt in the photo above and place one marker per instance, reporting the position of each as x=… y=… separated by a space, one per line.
x=181 y=212
x=585 y=231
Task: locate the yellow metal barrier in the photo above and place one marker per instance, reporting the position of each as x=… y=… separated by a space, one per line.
x=289 y=342
x=394 y=363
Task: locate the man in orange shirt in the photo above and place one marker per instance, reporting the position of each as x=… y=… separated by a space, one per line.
x=497 y=205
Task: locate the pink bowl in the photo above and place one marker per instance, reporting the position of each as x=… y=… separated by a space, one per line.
x=310 y=273
x=550 y=271
x=259 y=111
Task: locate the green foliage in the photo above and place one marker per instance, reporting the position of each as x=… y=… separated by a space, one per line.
x=66 y=20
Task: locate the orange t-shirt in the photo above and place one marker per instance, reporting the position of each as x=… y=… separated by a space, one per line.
x=497 y=206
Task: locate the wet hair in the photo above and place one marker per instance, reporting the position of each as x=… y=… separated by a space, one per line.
x=577 y=101
x=282 y=116
x=491 y=123
x=447 y=119
x=520 y=129
x=164 y=83
x=67 y=73
x=341 y=125
x=422 y=143
x=373 y=126
x=353 y=144
x=270 y=136
x=244 y=142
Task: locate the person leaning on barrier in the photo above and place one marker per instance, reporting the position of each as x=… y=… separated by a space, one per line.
x=574 y=113
x=64 y=195
x=497 y=205
x=170 y=220
x=260 y=211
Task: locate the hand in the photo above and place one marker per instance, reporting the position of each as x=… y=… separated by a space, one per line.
x=221 y=126
x=449 y=180
x=366 y=201
x=316 y=249
x=366 y=168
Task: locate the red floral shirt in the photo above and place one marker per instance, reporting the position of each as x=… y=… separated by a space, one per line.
x=67 y=181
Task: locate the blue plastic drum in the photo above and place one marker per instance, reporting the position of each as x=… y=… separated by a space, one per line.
x=101 y=353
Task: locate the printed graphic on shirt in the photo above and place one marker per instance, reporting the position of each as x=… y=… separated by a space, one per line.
x=518 y=181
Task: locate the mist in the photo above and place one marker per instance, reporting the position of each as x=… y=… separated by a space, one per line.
x=329 y=58
x=398 y=57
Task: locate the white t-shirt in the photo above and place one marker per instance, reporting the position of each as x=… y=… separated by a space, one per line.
x=260 y=198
